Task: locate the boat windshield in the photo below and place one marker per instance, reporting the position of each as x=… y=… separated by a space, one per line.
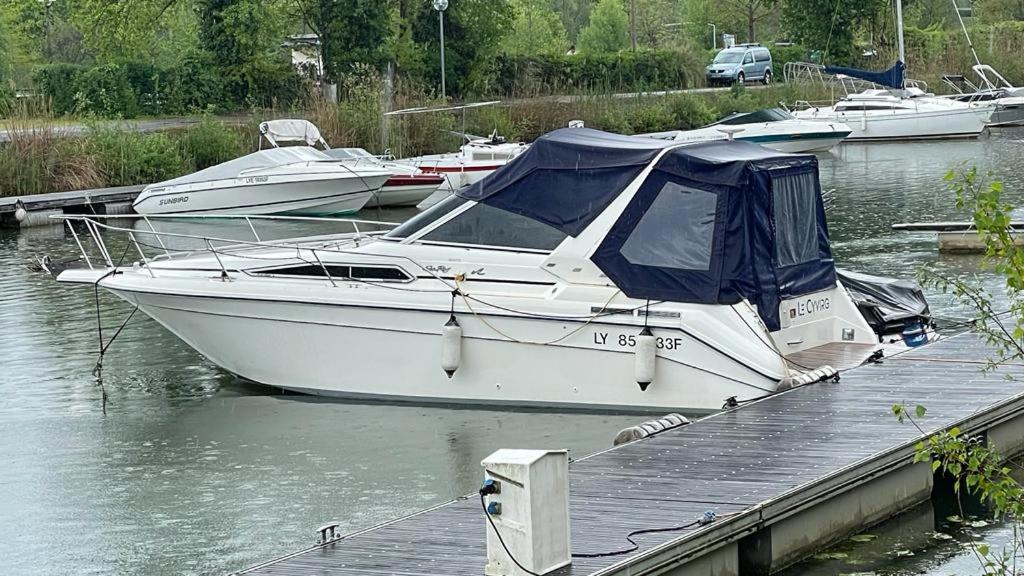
x=727 y=57
x=757 y=117
x=480 y=225
x=420 y=221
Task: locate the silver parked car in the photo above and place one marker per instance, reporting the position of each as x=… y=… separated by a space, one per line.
x=739 y=64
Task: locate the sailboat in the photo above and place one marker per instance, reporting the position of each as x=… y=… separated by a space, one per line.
x=898 y=112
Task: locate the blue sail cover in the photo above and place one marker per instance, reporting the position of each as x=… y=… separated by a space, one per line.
x=567 y=177
x=893 y=77
x=719 y=222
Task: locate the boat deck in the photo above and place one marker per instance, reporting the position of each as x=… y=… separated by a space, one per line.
x=839 y=355
x=754 y=465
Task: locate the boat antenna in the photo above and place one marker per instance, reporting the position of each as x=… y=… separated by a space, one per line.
x=956 y=10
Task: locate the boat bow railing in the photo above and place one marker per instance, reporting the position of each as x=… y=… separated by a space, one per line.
x=94 y=226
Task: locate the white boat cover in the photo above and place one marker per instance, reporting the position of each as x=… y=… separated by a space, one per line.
x=291 y=130
x=262 y=159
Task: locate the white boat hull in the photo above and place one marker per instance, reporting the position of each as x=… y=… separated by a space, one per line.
x=900 y=125
x=308 y=197
x=399 y=196
x=367 y=352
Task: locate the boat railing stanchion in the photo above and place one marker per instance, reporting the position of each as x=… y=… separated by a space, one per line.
x=94 y=231
x=145 y=261
x=74 y=235
x=223 y=270
x=253 y=228
x=156 y=235
x=326 y=272
x=355 y=226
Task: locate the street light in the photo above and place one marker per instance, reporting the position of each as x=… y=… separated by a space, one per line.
x=714 y=36
x=46 y=4
x=440 y=6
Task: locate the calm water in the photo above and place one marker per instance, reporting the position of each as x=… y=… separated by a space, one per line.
x=190 y=472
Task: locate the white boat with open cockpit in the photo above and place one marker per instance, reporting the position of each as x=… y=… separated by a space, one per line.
x=294 y=180
x=773 y=128
x=407 y=186
x=592 y=263
x=475 y=160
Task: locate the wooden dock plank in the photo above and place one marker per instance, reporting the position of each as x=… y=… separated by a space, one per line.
x=768 y=452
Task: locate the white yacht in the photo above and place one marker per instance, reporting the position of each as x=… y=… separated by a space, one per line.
x=295 y=180
x=595 y=271
x=882 y=115
x=773 y=128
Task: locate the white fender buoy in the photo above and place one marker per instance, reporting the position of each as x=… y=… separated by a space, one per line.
x=646 y=351
x=451 y=346
x=20 y=214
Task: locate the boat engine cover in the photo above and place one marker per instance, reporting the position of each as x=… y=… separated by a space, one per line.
x=889 y=305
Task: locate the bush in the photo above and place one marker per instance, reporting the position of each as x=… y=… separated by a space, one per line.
x=690 y=111
x=127 y=157
x=59 y=83
x=651 y=118
x=105 y=91
x=209 y=143
x=644 y=70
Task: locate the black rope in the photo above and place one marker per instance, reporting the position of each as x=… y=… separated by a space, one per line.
x=97 y=370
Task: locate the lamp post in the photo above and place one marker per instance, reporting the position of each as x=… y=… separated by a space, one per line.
x=440 y=6
x=714 y=36
x=46 y=5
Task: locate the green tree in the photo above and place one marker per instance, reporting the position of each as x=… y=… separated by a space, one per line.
x=154 y=31
x=351 y=32
x=536 y=29
x=473 y=32
x=806 y=23
x=239 y=32
x=751 y=12
x=574 y=15
x=608 y=30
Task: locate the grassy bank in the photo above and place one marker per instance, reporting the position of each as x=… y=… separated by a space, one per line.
x=44 y=158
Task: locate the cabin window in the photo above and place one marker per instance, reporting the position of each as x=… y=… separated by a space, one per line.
x=340 y=272
x=762 y=55
x=426 y=218
x=795 y=211
x=748 y=58
x=484 y=225
x=676 y=231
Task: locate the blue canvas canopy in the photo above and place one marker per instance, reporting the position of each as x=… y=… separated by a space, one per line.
x=893 y=77
x=712 y=223
x=719 y=222
x=567 y=177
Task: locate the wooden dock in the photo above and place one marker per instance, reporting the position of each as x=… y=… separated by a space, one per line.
x=37 y=208
x=787 y=475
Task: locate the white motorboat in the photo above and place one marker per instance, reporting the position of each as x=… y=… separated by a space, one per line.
x=475 y=160
x=595 y=271
x=1005 y=99
x=295 y=180
x=773 y=128
x=407 y=186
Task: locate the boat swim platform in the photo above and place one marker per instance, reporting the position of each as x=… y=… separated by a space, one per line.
x=37 y=208
x=786 y=475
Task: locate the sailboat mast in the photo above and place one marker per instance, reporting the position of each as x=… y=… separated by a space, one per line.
x=899 y=31
x=899 y=40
